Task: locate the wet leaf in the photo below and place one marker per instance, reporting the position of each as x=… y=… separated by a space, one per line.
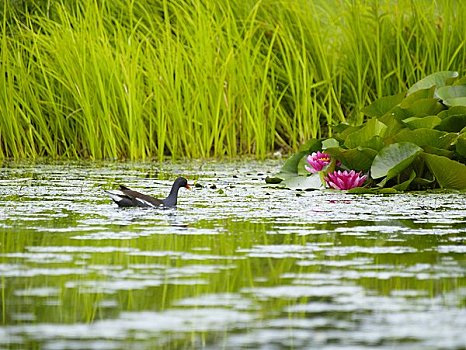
x=453 y=123
x=426 y=137
x=448 y=173
x=372 y=128
x=312 y=182
x=454 y=95
x=437 y=79
x=405 y=184
x=428 y=122
x=359 y=159
x=394 y=158
x=289 y=169
x=383 y=105
x=461 y=145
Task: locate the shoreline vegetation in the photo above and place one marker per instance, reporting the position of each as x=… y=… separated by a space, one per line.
x=123 y=79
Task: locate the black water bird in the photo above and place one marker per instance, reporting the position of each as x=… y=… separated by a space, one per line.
x=126 y=197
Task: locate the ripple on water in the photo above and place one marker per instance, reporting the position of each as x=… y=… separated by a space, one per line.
x=240 y=265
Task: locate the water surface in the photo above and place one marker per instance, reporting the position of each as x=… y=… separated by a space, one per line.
x=237 y=265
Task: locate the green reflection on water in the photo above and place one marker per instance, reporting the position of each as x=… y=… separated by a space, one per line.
x=85 y=261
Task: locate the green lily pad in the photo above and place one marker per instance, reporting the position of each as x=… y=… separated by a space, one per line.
x=455 y=102
x=394 y=158
x=456 y=110
x=453 y=123
x=425 y=107
x=383 y=105
x=312 y=182
x=394 y=125
x=421 y=94
x=365 y=190
x=359 y=159
x=372 y=128
x=313 y=145
x=437 y=79
x=426 y=137
x=429 y=122
x=405 y=184
x=452 y=93
x=461 y=145
x=448 y=173
x=289 y=169
x=329 y=143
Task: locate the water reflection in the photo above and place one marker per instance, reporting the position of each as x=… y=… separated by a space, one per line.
x=237 y=265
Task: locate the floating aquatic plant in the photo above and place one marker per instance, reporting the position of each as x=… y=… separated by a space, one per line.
x=414 y=140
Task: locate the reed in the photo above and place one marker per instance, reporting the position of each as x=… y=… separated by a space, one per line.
x=149 y=79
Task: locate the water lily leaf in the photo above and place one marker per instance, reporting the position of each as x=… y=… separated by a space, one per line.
x=348 y=131
x=448 y=173
x=428 y=122
x=312 y=145
x=376 y=143
x=424 y=107
x=452 y=123
x=450 y=91
x=383 y=105
x=456 y=110
x=399 y=113
x=289 y=169
x=394 y=125
x=405 y=184
x=359 y=159
x=365 y=190
x=312 y=182
x=455 y=101
x=372 y=128
x=426 y=137
x=437 y=79
x=394 y=158
x=461 y=145
x=329 y=143
x=421 y=94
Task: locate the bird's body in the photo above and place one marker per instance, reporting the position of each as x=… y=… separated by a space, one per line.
x=126 y=197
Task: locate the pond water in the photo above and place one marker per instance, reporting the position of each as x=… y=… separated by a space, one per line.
x=237 y=265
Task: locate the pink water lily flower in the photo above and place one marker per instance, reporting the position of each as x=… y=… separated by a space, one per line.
x=344 y=180
x=317 y=161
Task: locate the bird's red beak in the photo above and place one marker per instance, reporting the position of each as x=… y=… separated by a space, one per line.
x=188 y=187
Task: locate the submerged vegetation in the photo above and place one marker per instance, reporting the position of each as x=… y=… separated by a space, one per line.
x=138 y=79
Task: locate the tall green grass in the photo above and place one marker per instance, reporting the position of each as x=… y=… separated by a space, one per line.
x=190 y=78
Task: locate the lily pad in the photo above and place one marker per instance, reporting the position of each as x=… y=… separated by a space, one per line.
x=455 y=101
x=429 y=122
x=461 y=145
x=329 y=143
x=289 y=169
x=383 y=105
x=456 y=110
x=437 y=79
x=312 y=182
x=425 y=107
x=426 y=137
x=394 y=158
x=359 y=159
x=453 y=123
x=448 y=173
x=446 y=92
x=372 y=128
x=405 y=184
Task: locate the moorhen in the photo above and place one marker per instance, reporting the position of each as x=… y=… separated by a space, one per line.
x=126 y=197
